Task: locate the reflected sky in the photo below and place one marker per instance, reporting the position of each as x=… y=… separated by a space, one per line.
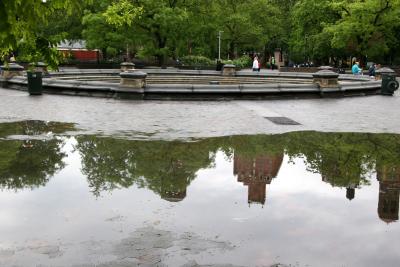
x=305 y=198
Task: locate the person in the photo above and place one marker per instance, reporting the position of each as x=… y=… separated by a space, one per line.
x=356 y=70
x=256 y=65
x=12 y=58
x=371 y=70
x=272 y=63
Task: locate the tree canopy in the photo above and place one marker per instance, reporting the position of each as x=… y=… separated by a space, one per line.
x=324 y=31
x=23 y=24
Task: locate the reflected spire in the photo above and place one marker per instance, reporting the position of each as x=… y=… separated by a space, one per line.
x=350 y=193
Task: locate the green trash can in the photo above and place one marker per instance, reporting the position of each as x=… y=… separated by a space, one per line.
x=34 y=82
x=389 y=84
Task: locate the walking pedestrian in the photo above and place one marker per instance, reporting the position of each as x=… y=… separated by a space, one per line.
x=256 y=64
x=272 y=63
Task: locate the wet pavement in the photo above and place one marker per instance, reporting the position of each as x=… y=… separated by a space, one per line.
x=104 y=182
x=183 y=120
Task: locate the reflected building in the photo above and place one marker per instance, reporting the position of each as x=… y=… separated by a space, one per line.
x=389 y=192
x=256 y=173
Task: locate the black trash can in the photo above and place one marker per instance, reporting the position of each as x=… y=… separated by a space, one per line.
x=220 y=65
x=34 y=82
x=389 y=84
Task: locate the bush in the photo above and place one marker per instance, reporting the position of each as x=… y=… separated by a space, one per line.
x=243 y=62
x=196 y=61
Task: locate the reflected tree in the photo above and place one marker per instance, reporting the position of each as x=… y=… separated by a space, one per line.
x=30 y=163
x=166 y=168
x=34 y=127
x=343 y=159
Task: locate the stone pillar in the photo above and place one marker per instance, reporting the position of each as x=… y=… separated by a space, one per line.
x=383 y=71
x=127 y=66
x=40 y=67
x=133 y=80
x=10 y=70
x=325 y=68
x=229 y=70
x=326 y=79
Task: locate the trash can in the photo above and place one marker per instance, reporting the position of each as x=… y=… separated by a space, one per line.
x=389 y=84
x=220 y=65
x=34 y=82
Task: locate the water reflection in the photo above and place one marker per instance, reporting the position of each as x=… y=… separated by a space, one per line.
x=256 y=173
x=34 y=127
x=344 y=160
x=389 y=192
x=167 y=168
x=30 y=163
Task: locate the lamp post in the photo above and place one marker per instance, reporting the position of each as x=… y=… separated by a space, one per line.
x=219 y=45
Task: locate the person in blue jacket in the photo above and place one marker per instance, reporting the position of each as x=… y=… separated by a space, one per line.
x=356 y=70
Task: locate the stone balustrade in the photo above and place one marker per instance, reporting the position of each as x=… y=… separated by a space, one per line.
x=11 y=70
x=229 y=70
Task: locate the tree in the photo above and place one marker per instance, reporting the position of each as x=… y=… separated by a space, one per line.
x=366 y=27
x=157 y=22
x=247 y=25
x=20 y=25
x=361 y=28
x=308 y=40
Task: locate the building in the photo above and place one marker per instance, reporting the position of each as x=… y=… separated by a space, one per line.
x=280 y=58
x=76 y=50
x=256 y=173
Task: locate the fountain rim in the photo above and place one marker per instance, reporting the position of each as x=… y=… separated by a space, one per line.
x=53 y=83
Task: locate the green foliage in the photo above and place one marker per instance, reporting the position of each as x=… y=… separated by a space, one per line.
x=161 y=166
x=123 y=12
x=157 y=23
x=243 y=62
x=168 y=167
x=361 y=28
x=161 y=29
x=365 y=27
x=21 y=23
x=342 y=159
x=31 y=163
x=197 y=61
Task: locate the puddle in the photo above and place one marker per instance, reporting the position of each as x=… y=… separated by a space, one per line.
x=34 y=129
x=295 y=199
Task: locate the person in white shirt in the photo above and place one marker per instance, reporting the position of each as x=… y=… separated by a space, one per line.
x=256 y=64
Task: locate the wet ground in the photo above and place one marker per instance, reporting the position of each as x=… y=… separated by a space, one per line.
x=183 y=120
x=101 y=182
